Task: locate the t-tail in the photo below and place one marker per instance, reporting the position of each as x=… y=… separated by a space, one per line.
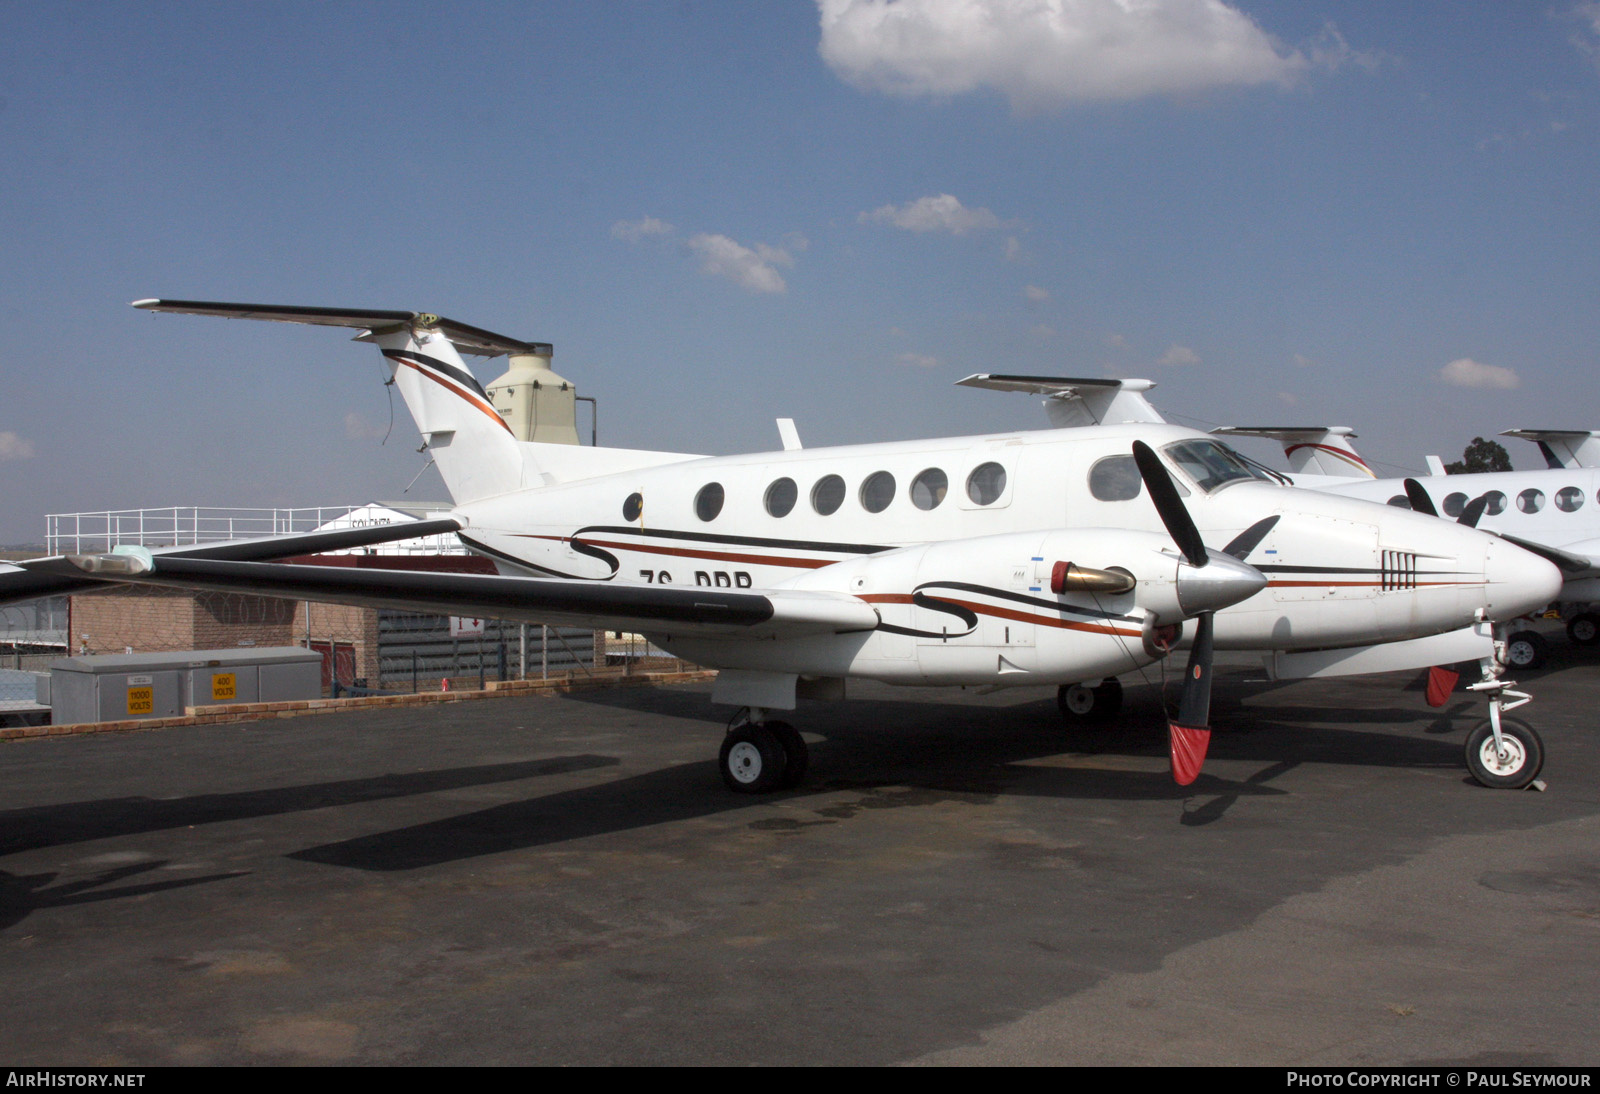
x=477 y=452
x=1311 y=449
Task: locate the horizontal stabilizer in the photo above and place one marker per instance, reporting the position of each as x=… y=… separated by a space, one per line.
x=655 y=609
x=1563 y=447
x=1073 y=401
x=467 y=339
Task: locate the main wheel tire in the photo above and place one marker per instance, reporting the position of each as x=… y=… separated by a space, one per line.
x=1514 y=767
x=1584 y=629
x=1083 y=705
x=796 y=756
x=1526 y=650
x=752 y=760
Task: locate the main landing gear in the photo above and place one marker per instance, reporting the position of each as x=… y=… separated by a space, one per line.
x=1503 y=753
x=1082 y=705
x=758 y=756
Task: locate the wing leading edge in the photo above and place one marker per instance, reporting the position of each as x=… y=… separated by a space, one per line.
x=656 y=609
x=56 y=576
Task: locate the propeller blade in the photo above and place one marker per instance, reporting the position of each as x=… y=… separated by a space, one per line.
x=1169 y=505
x=1419 y=498
x=1194 y=708
x=1249 y=539
x=1473 y=512
x=1190 y=734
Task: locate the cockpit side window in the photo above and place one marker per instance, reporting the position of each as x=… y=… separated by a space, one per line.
x=1209 y=464
x=1115 y=478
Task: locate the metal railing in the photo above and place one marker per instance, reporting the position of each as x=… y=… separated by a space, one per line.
x=90 y=533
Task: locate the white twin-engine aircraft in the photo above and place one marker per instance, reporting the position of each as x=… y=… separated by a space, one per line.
x=1011 y=559
x=1554 y=512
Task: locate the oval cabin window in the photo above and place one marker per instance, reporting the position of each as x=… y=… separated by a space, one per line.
x=929 y=488
x=877 y=492
x=827 y=495
x=986 y=483
x=708 y=502
x=781 y=497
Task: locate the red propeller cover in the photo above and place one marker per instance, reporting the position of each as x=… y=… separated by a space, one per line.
x=1188 y=745
x=1441 y=682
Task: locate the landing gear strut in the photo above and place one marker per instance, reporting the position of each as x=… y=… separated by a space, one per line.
x=758 y=756
x=1084 y=705
x=1503 y=753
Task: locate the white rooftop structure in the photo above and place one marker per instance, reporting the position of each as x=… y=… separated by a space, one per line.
x=98 y=533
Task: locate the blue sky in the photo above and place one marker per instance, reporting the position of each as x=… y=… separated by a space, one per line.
x=1375 y=215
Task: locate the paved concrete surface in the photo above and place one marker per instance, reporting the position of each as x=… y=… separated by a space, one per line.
x=565 y=881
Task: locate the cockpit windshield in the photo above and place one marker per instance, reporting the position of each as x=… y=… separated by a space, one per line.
x=1212 y=465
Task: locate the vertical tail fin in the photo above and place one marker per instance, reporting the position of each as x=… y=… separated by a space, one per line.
x=1311 y=450
x=1563 y=447
x=471 y=443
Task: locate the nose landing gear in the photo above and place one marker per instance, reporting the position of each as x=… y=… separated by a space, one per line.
x=1503 y=753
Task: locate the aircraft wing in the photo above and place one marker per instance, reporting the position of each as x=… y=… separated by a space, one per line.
x=1574 y=560
x=652 y=609
x=56 y=576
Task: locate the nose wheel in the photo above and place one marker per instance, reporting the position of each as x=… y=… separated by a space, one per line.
x=1508 y=761
x=1503 y=753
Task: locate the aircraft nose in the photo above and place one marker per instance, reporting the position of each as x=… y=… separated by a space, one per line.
x=1222 y=582
x=1516 y=581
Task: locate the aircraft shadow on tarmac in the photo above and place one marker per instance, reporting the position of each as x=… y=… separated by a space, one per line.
x=910 y=753
x=893 y=752
x=22 y=894
x=35 y=827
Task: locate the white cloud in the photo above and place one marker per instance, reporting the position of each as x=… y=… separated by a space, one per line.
x=1465 y=372
x=1043 y=332
x=1047 y=53
x=1116 y=341
x=752 y=269
x=1288 y=398
x=13 y=447
x=1586 y=39
x=1035 y=295
x=934 y=214
x=1301 y=360
x=917 y=360
x=1178 y=355
x=1013 y=249
x=632 y=231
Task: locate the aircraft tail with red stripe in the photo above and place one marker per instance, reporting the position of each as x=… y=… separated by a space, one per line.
x=478 y=453
x=1311 y=450
x=473 y=447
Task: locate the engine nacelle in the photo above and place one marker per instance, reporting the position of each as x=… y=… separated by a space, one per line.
x=982 y=610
